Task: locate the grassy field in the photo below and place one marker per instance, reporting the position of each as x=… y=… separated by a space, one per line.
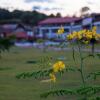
x=17 y=61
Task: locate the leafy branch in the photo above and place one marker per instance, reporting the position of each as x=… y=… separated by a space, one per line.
x=57 y=93
x=36 y=74
x=89 y=90
x=42 y=73
x=93 y=75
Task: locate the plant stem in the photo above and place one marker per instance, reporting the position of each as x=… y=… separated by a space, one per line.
x=93 y=48
x=81 y=66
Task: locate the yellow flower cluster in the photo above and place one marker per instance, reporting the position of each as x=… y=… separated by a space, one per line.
x=58 y=66
x=60 y=30
x=84 y=35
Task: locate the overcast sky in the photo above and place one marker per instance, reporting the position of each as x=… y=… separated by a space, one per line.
x=65 y=7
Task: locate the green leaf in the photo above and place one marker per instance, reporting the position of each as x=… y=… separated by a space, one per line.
x=57 y=93
x=90 y=55
x=88 y=90
x=98 y=55
x=35 y=74
x=94 y=75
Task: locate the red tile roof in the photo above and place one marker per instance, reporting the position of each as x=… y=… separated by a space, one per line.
x=59 y=20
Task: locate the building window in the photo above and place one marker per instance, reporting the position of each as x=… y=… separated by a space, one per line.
x=66 y=30
x=45 y=31
x=66 y=24
x=54 y=30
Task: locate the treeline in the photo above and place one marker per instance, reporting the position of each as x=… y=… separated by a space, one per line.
x=26 y=17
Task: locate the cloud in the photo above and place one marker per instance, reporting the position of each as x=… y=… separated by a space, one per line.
x=51 y=6
x=28 y=1
x=44 y=8
x=90 y=3
x=54 y=8
x=37 y=8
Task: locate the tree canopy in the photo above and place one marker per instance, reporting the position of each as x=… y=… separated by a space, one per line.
x=26 y=17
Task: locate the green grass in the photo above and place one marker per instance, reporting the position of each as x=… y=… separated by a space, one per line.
x=20 y=60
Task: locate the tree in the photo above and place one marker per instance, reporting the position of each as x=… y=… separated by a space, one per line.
x=32 y=18
x=5 y=44
x=84 y=11
x=16 y=13
x=58 y=15
x=51 y=15
x=5 y=14
x=18 y=16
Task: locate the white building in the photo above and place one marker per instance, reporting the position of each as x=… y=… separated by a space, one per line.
x=48 y=28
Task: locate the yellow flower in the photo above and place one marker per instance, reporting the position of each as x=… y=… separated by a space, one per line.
x=97 y=36
x=89 y=36
x=94 y=28
x=78 y=35
x=58 y=66
x=60 y=30
x=52 y=77
x=70 y=36
x=84 y=35
x=83 y=31
x=75 y=35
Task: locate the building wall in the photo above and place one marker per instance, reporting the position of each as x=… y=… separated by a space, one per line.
x=50 y=31
x=97 y=24
x=76 y=27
